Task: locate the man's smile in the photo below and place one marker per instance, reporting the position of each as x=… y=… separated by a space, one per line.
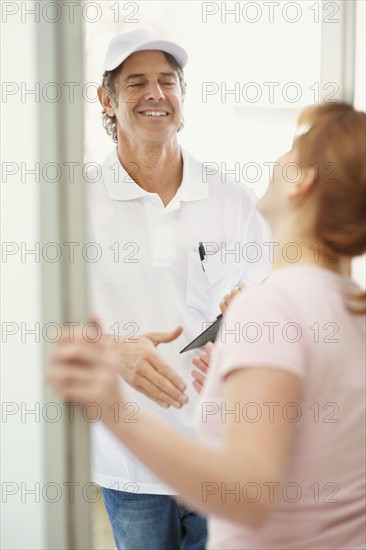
x=154 y=113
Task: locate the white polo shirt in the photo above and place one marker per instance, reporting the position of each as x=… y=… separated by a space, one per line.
x=149 y=277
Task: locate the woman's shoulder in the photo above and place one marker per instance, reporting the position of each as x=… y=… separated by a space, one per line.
x=295 y=289
x=302 y=278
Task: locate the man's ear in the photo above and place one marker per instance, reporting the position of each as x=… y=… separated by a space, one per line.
x=184 y=91
x=304 y=185
x=105 y=101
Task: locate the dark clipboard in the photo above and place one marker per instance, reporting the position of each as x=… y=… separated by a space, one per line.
x=207 y=335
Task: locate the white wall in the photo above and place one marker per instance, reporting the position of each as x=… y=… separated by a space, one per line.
x=226 y=52
x=359 y=264
x=22 y=517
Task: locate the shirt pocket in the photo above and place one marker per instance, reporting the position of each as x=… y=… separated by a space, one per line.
x=206 y=288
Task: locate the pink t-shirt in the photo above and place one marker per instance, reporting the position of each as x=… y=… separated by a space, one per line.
x=297 y=321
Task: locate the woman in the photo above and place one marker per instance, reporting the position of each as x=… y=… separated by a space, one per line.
x=281 y=418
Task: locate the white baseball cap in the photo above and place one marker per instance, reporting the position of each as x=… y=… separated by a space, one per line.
x=127 y=43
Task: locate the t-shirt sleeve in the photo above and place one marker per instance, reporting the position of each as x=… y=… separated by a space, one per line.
x=261 y=329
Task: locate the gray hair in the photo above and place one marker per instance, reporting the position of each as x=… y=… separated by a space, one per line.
x=109 y=83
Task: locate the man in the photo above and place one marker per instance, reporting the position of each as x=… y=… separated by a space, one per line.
x=149 y=211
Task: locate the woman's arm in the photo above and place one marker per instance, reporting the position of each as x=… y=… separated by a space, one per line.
x=213 y=481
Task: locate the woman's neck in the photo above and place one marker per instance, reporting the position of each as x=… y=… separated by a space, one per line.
x=296 y=248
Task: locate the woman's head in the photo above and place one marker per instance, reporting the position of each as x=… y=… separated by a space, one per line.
x=322 y=180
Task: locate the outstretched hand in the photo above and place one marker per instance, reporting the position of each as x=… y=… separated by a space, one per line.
x=145 y=369
x=82 y=360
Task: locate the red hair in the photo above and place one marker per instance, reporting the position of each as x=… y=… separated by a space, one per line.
x=335 y=145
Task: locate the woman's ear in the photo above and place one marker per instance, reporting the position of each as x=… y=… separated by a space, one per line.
x=304 y=185
x=105 y=101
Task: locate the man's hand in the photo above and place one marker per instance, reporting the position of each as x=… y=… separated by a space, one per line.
x=228 y=298
x=202 y=362
x=147 y=371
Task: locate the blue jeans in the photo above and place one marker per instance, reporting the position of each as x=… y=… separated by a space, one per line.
x=153 y=522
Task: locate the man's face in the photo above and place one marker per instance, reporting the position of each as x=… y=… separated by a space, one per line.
x=149 y=98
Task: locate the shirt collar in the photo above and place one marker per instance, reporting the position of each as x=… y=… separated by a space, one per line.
x=121 y=187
